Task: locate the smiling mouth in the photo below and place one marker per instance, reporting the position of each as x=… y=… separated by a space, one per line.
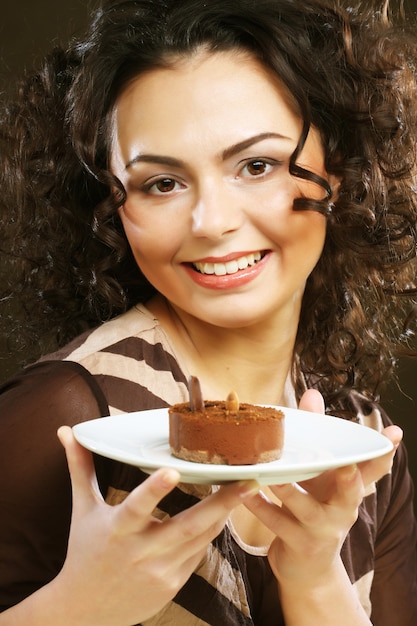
x=230 y=267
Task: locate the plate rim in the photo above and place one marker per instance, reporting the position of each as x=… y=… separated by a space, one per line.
x=269 y=473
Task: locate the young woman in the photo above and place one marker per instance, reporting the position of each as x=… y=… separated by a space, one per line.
x=225 y=189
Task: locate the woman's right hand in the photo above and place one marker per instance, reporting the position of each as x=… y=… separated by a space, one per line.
x=123 y=565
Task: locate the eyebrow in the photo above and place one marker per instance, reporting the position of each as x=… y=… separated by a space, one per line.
x=226 y=154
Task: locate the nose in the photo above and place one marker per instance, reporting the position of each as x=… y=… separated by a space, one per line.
x=216 y=211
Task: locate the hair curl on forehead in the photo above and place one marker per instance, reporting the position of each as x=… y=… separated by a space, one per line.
x=351 y=73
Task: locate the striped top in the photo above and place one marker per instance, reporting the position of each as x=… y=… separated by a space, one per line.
x=129 y=364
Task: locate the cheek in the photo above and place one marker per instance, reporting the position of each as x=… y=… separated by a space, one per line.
x=139 y=235
x=287 y=227
x=300 y=241
x=307 y=233
x=310 y=242
x=152 y=240
x=133 y=230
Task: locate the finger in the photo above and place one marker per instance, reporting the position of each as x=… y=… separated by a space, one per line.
x=135 y=512
x=263 y=508
x=216 y=507
x=81 y=467
x=375 y=469
x=298 y=502
x=313 y=401
x=350 y=489
x=341 y=495
x=394 y=433
x=278 y=519
x=197 y=526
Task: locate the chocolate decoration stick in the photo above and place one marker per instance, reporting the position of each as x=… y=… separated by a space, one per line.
x=232 y=402
x=196 y=396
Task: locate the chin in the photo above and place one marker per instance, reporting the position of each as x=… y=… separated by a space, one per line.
x=233 y=320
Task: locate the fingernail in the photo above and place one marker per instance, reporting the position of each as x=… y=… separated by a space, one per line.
x=349 y=472
x=264 y=497
x=248 y=488
x=63 y=433
x=169 y=478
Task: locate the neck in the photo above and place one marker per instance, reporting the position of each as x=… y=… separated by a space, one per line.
x=252 y=361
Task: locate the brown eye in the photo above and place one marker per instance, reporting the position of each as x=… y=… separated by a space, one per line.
x=165 y=185
x=256 y=167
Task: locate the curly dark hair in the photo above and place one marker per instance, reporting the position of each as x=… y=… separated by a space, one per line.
x=353 y=74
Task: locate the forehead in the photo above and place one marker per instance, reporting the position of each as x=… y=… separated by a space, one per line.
x=223 y=95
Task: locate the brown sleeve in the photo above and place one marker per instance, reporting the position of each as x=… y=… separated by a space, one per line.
x=394 y=589
x=35 y=491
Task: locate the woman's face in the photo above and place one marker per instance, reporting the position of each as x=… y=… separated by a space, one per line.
x=203 y=151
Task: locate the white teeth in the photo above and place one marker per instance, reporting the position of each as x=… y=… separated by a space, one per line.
x=206 y=268
x=243 y=263
x=231 y=267
x=220 y=269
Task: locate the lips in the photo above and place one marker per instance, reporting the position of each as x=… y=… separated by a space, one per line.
x=228 y=267
x=230 y=272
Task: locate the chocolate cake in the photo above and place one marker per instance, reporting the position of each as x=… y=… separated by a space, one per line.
x=224 y=432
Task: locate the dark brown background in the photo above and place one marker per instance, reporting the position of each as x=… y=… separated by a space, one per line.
x=28 y=28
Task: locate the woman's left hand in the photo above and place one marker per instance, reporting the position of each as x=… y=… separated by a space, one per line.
x=311 y=519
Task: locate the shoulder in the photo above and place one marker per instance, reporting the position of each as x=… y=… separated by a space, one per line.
x=132 y=360
x=137 y=323
x=62 y=392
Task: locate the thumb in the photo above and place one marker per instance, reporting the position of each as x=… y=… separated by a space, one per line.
x=85 y=489
x=376 y=468
x=313 y=401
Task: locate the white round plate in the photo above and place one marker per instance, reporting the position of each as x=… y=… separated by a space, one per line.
x=313 y=443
